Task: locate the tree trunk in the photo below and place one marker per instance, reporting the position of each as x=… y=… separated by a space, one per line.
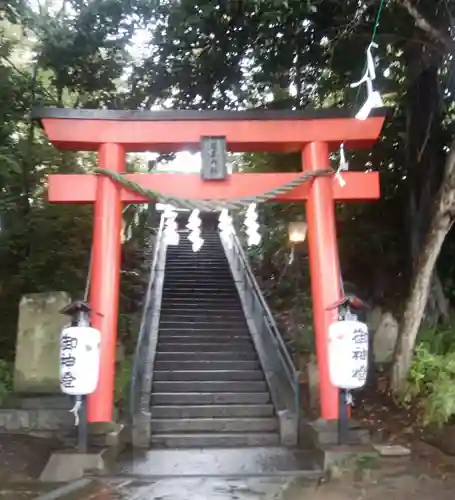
x=440 y=225
x=424 y=160
x=415 y=305
x=438 y=228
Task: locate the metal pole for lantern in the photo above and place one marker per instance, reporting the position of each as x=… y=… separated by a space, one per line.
x=346 y=313
x=343 y=407
x=344 y=395
x=79 y=312
x=343 y=420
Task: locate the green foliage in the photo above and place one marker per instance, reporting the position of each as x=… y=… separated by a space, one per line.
x=432 y=375
x=123 y=374
x=6 y=379
x=80 y=51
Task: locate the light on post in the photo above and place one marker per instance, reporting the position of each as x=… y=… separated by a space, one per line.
x=297 y=231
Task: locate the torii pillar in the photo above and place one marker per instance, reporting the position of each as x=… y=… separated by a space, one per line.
x=314 y=133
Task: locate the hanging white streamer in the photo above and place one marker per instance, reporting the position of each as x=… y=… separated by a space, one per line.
x=75 y=410
x=291 y=256
x=225 y=225
x=252 y=225
x=171 y=234
x=343 y=166
x=374 y=99
x=194 y=225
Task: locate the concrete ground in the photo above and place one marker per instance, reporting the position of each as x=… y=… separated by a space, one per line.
x=377 y=486
x=232 y=475
x=269 y=461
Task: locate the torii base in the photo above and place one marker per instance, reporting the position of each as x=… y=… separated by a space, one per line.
x=68 y=465
x=106 y=440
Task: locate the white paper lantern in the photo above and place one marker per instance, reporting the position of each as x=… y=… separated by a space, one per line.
x=79 y=360
x=348 y=354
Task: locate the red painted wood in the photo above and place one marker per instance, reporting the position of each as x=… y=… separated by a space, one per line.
x=324 y=268
x=69 y=188
x=241 y=135
x=105 y=279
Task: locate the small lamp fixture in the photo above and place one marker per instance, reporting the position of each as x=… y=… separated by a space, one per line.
x=297 y=231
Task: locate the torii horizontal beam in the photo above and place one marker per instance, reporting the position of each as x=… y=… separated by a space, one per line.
x=171 y=131
x=68 y=188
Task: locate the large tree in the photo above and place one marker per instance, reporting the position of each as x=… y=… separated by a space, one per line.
x=433 y=213
x=292 y=54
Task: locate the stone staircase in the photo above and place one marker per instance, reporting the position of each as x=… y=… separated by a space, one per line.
x=208 y=389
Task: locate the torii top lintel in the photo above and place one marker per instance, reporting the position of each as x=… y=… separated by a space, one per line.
x=245 y=131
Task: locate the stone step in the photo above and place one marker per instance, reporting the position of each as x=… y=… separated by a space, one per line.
x=191 y=274
x=216 y=256
x=209 y=239
x=170 y=304
x=200 y=296
x=211 y=251
x=210 y=272
x=186 y=243
x=200 y=283
x=210 y=398
x=208 y=375
x=233 y=347
x=201 y=321
x=185 y=246
x=206 y=425
x=176 y=309
x=220 y=302
x=183 y=267
x=215 y=440
x=209 y=257
x=204 y=326
x=186 y=254
x=209 y=282
x=213 y=411
x=195 y=336
x=177 y=355
x=211 y=248
x=219 y=333
x=209 y=262
x=229 y=322
x=217 y=326
x=207 y=365
x=210 y=386
x=189 y=315
x=198 y=280
x=196 y=273
x=195 y=292
x=201 y=262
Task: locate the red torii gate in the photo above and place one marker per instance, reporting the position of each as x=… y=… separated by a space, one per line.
x=314 y=133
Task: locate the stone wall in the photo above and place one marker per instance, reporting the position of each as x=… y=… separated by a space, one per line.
x=40 y=421
x=38 y=342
